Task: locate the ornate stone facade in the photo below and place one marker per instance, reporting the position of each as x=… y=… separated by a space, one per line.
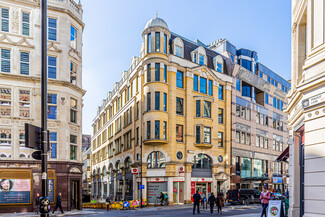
x=305 y=110
x=20 y=45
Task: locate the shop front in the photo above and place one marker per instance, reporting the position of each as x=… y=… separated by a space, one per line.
x=178 y=190
x=203 y=185
x=154 y=188
x=111 y=186
x=128 y=180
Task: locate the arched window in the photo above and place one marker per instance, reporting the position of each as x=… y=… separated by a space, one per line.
x=118 y=167
x=104 y=171
x=156 y=159
x=128 y=165
x=3 y=155
x=202 y=161
x=22 y=156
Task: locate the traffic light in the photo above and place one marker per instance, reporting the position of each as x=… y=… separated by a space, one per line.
x=44 y=205
x=32 y=136
x=33 y=139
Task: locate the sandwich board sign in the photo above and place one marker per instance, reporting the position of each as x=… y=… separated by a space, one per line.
x=274 y=208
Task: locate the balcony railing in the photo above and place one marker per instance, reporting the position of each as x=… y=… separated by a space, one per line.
x=70 y=3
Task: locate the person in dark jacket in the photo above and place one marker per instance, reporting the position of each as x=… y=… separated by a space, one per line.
x=196 y=198
x=107 y=203
x=211 y=201
x=37 y=203
x=58 y=204
x=220 y=202
x=161 y=197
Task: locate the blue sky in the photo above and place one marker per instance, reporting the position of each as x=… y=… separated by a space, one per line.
x=112 y=35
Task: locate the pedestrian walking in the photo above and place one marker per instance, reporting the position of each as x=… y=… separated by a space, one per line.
x=265 y=197
x=196 y=199
x=211 y=201
x=220 y=202
x=37 y=203
x=58 y=204
x=108 y=203
x=202 y=200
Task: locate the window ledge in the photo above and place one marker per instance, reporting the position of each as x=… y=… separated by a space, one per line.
x=207 y=118
x=180 y=88
x=203 y=145
x=155 y=82
x=127 y=148
x=155 y=142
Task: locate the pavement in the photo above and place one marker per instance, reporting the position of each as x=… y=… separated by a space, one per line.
x=161 y=211
x=68 y=213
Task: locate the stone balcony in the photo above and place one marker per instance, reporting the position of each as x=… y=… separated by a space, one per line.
x=70 y=5
x=203 y=145
x=155 y=142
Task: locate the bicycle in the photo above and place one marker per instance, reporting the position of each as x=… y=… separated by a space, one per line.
x=158 y=202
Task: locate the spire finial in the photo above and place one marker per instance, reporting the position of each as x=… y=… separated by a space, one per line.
x=156 y=8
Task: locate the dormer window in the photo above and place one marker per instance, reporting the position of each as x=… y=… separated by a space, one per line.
x=178 y=51
x=219 y=67
x=195 y=57
x=157 y=41
x=177 y=47
x=218 y=63
x=201 y=59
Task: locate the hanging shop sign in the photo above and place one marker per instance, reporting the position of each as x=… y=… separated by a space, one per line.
x=134 y=171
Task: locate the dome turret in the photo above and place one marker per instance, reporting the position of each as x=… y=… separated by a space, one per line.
x=156 y=22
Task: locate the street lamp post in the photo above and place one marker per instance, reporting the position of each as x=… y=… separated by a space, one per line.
x=141 y=174
x=44 y=136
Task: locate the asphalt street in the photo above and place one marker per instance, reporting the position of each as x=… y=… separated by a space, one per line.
x=180 y=211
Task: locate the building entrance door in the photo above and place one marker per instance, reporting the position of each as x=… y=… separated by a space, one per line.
x=178 y=192
x=74 y=194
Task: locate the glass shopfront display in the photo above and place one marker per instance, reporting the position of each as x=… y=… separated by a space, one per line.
x=178 y=192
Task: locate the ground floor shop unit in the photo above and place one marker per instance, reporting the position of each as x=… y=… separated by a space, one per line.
x=179 y=190
x=255 y=170
x=22 y=180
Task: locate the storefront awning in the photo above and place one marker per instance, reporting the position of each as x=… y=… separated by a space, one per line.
x=263 y=178
x=284 y=155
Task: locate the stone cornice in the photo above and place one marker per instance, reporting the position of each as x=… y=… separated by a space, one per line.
x=38 y=79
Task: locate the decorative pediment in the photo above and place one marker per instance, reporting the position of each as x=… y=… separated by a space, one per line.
x=5 y=39
x=25 y=43
x=75 y=170
x=75 y=54
x=52 y=47
x=221 y=176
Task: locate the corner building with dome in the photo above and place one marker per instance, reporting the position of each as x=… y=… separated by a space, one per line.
x=175 y=102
